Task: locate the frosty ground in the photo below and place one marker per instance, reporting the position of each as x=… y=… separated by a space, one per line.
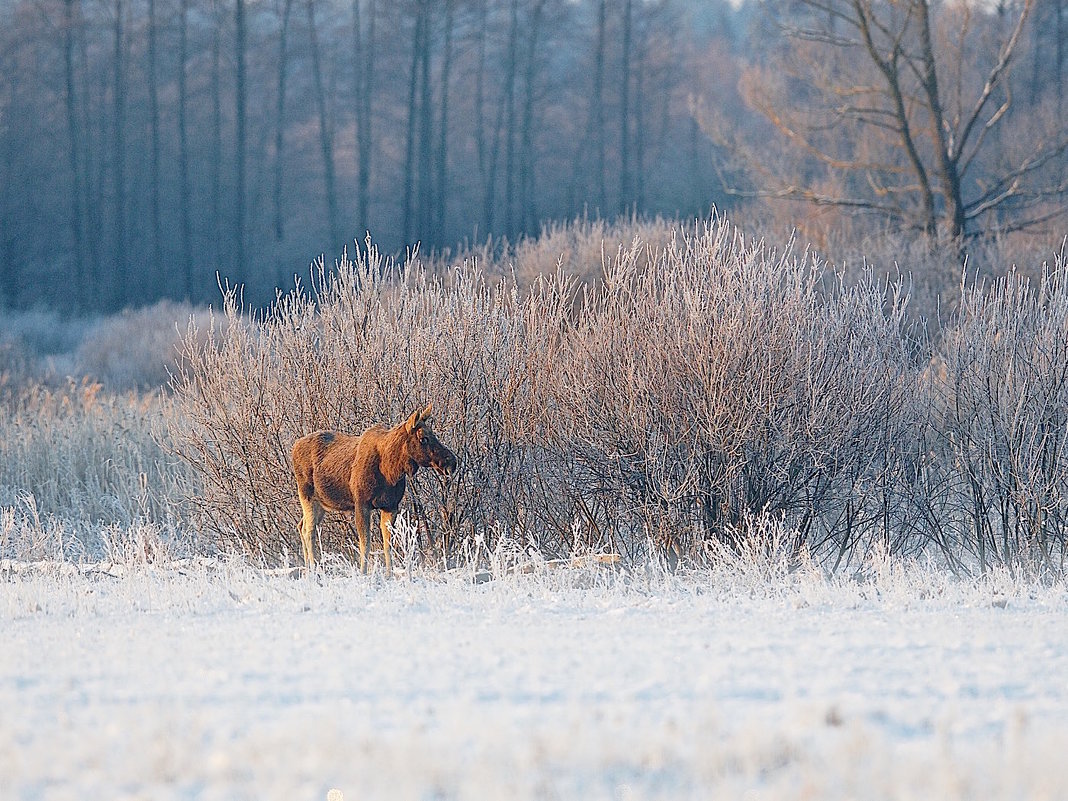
x=214 y=680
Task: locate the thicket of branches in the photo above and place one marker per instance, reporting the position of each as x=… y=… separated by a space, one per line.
x=699 y=384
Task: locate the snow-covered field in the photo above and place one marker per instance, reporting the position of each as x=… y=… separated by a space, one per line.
x=223 y=682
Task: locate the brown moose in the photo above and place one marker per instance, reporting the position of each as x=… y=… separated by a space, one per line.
x=342 y=473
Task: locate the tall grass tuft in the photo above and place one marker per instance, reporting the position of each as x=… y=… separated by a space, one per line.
x=82 y=471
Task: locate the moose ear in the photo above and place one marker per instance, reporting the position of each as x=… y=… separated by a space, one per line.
x=412 y=423
x=418 y=418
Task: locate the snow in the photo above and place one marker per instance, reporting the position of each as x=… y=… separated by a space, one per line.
x=214 y=680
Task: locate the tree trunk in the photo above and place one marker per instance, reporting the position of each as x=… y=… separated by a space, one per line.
x=119 y=294
x=598 y=109
x=241 y=135
x=154 y=155
x=528 y=215
x=625 y=198
x=74 y=134
x=1058 y=61
x=10 y=277
x=948 y=156
x=216 y=137
x=489 y=197
x=279 y=135
x=509 y=134
x=92 y=166
x=185 y=194
x=443 y=130
x=409 y=147
x=594 y=131
x=426 y=134
x=890 y=68
x=1034 y=84
x=363 y=54
x=639 y=134
x=326 y=144
x=480 y=95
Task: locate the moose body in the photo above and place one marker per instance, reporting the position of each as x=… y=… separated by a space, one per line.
x=345 y=473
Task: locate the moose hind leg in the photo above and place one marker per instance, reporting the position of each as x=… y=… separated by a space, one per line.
x=312 y=514
x=362 y=516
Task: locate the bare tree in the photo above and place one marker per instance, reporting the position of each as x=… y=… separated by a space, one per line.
x=527 y=212
x=597 y=115
x=119 y=296
x=624 y=107
x=75 y=134
x=594 y=133
x=241 y=143
x=363 y=84
x=442 y=171
x=184 y=189
x=481 y=153
x=280 y=120
x=155 y=147
x=906 y=110
x=215 y=205
x=425 y=194
x=326 y=143
x=508 y=105
x=9 y=268
x=419 y=52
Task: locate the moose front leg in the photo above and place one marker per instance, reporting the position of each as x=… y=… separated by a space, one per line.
x=386 y=523
x=362 y=516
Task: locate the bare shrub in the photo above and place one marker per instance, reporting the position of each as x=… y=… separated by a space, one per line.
x=932 y=269
x=576 y=249
x=695 y=382
x=134 y=350
x=718 y=379
x=32 y=345
x=41 y=333
x=373 y=343
x=1002 y=413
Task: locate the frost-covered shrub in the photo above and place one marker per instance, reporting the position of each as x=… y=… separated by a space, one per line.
x=372 y=344
x=136 y=349
x=695 y=382
x=717 y=378
x=1002 y=413
x=41 y=333
x=579 y=249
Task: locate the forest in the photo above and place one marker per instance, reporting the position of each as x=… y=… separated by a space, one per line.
x=151 y=149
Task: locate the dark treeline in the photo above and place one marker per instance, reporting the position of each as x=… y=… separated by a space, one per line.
x=147 y=144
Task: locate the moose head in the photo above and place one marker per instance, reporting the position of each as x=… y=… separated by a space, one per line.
x=423 y=447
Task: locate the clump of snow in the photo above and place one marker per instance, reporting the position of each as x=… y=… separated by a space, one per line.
x=211 y=679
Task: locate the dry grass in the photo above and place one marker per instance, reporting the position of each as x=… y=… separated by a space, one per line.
x=84 y=473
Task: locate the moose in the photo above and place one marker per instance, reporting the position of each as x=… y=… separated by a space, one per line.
x=345 y=473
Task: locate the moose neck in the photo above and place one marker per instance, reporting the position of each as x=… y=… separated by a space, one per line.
x=394 y=461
